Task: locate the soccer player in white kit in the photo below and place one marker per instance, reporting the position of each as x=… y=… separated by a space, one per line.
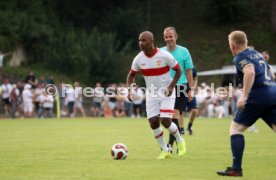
x=155 y=66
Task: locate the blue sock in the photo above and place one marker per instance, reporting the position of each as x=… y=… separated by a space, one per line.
x=190 y=126
x=237 y=146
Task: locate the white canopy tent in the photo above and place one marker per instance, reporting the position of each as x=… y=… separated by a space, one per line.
x=224 y=70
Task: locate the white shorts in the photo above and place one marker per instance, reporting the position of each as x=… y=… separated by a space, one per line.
x=78 y=104
x=160 y=106
x=28 y=107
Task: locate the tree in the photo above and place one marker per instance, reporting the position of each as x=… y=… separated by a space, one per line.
x=106 y=57
x=273 y=15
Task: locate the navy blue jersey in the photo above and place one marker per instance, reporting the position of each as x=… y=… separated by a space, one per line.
x=262 y=74
x=194 y=73
x=261 y=102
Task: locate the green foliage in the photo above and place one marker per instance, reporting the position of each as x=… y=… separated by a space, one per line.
x=66 y=54
x=106 y=57
x=126 y=22
x=24 y=23
x=59 y=35
x=230 y=11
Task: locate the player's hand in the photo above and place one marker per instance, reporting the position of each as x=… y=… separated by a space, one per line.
x=190 y=96
x=241 y=102
x=169 y=91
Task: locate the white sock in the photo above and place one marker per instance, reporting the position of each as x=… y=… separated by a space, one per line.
x=174 y=131
x=158 y=134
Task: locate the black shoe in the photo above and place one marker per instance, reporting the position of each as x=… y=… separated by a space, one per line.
x=190 y=131
x=230 y=172
x=182 y=132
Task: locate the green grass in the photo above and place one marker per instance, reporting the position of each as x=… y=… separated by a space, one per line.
x=80 y=149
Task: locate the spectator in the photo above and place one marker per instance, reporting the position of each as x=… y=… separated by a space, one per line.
x=137 y=100
x=14 y=100
x=37 y=95
x=266 y=58
x=70 y=100
x=107 y=111
x=51 y=80
x=48 y=105
x=6 y=90
x=31 y=79
x=97 y=99
x=119 y=112
x=27 y=101
x=78 y=100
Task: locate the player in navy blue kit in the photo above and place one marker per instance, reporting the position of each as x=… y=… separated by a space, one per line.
x=192 y=105
x=258 y=98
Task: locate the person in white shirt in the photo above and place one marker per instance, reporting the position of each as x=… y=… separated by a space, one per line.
x=27 y=97
x=155 y=64
x=70 y=100
x=48 y=105
x=138 y=97
x=78 y=100
x=266 y=57
x=6 y=90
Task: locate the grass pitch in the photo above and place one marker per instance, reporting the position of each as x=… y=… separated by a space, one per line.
x=80 y=149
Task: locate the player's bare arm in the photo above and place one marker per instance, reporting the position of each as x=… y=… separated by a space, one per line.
x=130 y=80
x=248 y=80
x=189 y=75
x=174 y=81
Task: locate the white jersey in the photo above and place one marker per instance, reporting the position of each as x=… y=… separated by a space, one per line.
x=70 y=95
x=6 y=90
x=156 y=71
x=48 y=101
x=27 y=96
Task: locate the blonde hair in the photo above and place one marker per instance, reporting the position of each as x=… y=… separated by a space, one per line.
x=171 y=28
x=238 y=38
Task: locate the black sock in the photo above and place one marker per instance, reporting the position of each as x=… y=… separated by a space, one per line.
x=176 y=123
x=171 y=137
x=237 y=146
x=190 y=125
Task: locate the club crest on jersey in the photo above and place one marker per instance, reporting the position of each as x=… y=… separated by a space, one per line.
x=243 y=63
x=158 y=62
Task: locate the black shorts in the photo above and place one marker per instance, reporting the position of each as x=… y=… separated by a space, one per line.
x=181 y=98
x=137 y=106
x=6 y=101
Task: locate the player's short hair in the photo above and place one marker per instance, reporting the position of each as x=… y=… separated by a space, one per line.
x=171 y=28
x=265 y=52
x=238 y=38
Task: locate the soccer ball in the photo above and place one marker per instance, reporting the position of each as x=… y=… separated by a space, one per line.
x=119 y=151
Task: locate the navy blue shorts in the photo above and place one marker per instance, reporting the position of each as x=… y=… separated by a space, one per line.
x=260 y=104
x=191 y=105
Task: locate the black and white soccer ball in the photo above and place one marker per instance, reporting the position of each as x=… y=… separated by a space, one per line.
x=119 y=151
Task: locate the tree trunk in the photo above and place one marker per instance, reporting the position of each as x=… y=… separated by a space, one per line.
x=18 y=56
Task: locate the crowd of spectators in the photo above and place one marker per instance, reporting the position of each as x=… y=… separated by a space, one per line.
x=29 y=99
